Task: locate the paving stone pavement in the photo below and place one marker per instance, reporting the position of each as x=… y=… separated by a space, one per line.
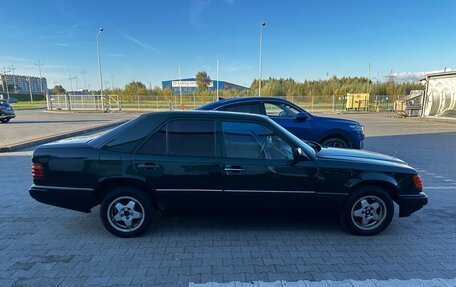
x=42 y=245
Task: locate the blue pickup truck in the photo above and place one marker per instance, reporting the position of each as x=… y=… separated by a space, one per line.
x=329 y=132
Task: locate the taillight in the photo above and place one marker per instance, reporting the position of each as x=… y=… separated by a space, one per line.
x=37 y=170
x=417 y=181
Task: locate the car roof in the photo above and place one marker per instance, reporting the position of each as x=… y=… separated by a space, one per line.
x=205 y=114
x=222 y=102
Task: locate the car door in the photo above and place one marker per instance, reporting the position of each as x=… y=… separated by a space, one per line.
x=182 y=163
x=257 y=170
x=285 y=115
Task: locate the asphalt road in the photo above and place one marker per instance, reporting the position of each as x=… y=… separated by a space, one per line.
x=45 y=245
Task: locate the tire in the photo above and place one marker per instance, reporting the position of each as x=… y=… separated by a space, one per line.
x=335 y=142
x=368 y=211
x=4 y=121
x=127 y=211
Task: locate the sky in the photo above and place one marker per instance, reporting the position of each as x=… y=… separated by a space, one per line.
x=148 y=41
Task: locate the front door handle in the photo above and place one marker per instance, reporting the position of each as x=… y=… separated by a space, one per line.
x=234 y=169
x=147 y=165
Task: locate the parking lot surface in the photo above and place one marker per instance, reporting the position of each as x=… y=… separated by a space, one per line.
x=45 y=245
x=38 y=124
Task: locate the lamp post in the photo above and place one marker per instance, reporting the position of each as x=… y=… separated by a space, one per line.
x=12 y=68
x=261 y=59
x=99 y=69
x=30 y=89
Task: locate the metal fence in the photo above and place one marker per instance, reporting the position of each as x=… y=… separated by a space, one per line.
x=82 y=102
x=191 y=101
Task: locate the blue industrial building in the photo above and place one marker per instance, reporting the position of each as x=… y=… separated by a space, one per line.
x=189 y=85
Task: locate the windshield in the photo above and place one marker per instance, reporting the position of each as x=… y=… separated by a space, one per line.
x=104 y=138
x=308 y=149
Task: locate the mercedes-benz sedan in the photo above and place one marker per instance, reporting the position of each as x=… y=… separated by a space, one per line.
x=212 y=162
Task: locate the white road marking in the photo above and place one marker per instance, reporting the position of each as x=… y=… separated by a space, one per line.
x=439 y=187
x=435 y=282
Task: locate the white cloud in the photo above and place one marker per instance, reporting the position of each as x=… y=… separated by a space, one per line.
x=196 y=8
x=413 y=76
x=140 y=43
x=62 y=44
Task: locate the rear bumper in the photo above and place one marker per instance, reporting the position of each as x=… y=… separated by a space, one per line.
x=408 y=204
x=79 y=199
x=7 y=116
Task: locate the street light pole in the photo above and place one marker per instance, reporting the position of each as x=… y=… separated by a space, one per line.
x=30 y=89
x=99 y=69
x=217 y=81
x=39 y=64
x=261 y=59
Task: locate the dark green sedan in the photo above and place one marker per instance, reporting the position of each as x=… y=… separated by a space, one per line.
x=203 y=162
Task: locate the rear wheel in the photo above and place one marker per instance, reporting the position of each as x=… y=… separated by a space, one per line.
x=4 y=121
x=368 y=212
x=126 y=211
x=335 y=142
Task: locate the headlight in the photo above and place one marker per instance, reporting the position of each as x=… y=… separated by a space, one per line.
x=358 y=128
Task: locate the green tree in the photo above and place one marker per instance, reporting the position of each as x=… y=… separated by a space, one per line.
x=135 y=88
x=58 y=90
x=202 y=80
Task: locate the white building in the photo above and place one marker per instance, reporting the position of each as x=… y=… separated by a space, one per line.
x=20 y=84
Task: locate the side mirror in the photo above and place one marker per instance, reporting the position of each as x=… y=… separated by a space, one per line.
x=297 y=156
x=302 y=116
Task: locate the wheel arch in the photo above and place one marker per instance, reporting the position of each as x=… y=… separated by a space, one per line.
x=336 y=134
x=106 y=185
x=386 y=182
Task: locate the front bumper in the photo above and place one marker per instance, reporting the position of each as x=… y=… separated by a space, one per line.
x=408 y=204
x=7 y=116
x=75 y=198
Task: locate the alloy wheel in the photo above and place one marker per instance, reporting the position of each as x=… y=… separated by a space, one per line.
x=368 y=212
x=125 y=214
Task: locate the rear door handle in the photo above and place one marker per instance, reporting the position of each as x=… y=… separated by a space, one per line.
x=147 y=165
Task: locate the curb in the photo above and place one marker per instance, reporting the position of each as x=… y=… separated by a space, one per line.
x=55 y=137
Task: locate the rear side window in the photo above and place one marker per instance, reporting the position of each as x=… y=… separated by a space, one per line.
x=253 y=108
x=183 y=138
x=125 y=138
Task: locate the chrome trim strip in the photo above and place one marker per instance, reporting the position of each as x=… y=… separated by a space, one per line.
x=62 y=187
x=414 y=195
x=332 y=193
x=187 y=189
x=271 y=191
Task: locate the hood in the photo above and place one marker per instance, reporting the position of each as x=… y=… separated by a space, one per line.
x=336 y=120
x=354 y=154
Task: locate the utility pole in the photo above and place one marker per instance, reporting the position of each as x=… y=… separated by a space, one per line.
x=217 y=81
x=6 y=82
x=71 y=83
x=39 y=64
x=76 y=79
x=30 y=89
x=261 y=59
x=12 y=68
x=84 y=72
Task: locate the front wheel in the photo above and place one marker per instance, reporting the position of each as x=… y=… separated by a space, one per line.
x=335 y=142
x=368 y=212
x=126 y=211
x=4 y=121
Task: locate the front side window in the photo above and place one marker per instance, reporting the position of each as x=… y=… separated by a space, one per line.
x=254 y=141
x=183 y=138
x=253 y=108
x=280 y=110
